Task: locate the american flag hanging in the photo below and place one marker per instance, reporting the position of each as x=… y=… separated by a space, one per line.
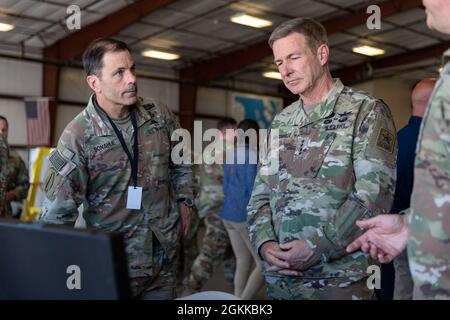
x=38 y=121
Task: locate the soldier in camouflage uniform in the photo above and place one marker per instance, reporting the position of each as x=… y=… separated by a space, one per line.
x=429 y=228
x=407 y=142
x=336 y=160
x=216 y=244
x=4 y=152
x=425 y=227
x=189 y=244
x=90 y=166
x=17 y=182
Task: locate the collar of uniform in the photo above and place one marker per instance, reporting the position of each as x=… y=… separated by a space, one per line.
x=142 y=115
x=101 y=128
x=325 y=107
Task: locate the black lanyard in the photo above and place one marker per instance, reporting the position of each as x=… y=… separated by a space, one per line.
x=133 y=160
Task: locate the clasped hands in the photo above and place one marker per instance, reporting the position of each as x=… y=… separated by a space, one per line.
x=289 y=258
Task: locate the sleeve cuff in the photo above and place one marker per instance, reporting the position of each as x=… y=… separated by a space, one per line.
x=322 y=246
x=260 y=243
x=406 y=214
x=331 y=238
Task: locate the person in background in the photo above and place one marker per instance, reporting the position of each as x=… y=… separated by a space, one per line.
x=424 y=228
x=239 y=176
x=407 y=142
x=215 y=245
x=17 y=182
x=189 y=245
x=4 y=150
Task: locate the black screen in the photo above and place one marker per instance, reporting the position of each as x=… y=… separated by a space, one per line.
x=39 y=261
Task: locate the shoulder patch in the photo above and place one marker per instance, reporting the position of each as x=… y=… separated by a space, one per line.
x=49 y=182
x=57 y=161
x=60 y=164
x=386 y=140
x=67 y=153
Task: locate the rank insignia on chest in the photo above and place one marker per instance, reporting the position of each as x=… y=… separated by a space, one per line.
x=337 y=121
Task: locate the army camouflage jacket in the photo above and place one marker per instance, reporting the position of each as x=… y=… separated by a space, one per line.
x=4 y=152
x=16 y=179
x=429 y=228
x=210 y=198
x=336 y=166
x=89 y=166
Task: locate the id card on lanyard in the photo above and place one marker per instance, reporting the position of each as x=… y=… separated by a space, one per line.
x=134 y=199
x=134 y=196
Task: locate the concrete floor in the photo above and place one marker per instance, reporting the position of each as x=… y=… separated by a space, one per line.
x=219 y=283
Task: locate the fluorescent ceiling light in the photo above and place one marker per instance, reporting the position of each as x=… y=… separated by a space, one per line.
x=272 y=75
x=5 y=27
x=160 y=55
x=251 y=21
x=368 y=51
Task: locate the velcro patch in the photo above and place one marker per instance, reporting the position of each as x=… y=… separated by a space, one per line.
x=67 y=168
x=49 y=182
x=386 y=140
x=68 y=154
x=57 y=161
x=61 y=164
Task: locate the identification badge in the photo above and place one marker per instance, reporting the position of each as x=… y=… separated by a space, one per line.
x=134 y=200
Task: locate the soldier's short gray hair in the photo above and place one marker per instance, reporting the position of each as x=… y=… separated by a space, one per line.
x=313 y=31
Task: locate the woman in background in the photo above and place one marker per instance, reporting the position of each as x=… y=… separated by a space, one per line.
x=239 y=176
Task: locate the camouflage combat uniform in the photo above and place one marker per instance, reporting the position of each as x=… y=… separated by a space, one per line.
x=429 y=229
x=4 y=152
x=189 y=246
x=16 y=179
x=90 y=166
x=215 y=244
x=336 y=166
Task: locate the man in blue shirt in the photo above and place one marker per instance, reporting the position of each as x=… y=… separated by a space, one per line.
x=407 y=141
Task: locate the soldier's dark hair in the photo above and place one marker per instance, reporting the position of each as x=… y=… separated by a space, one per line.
x=4 y=119
x=248 y=124
x=93 y=55
x=313 y=31
x=226 y=123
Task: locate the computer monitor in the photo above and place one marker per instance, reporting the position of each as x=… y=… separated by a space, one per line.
x=42 y=261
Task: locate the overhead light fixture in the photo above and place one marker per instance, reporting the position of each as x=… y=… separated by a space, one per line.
x=440 y=69
x=272 y=75
x=251 y=21
x=5 y=27
x=160 y=55
x=368 y=51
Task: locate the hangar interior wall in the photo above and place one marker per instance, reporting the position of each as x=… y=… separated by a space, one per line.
x=22 y=79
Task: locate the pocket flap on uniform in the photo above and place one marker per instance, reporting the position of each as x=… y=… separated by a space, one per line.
x=303 y=156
